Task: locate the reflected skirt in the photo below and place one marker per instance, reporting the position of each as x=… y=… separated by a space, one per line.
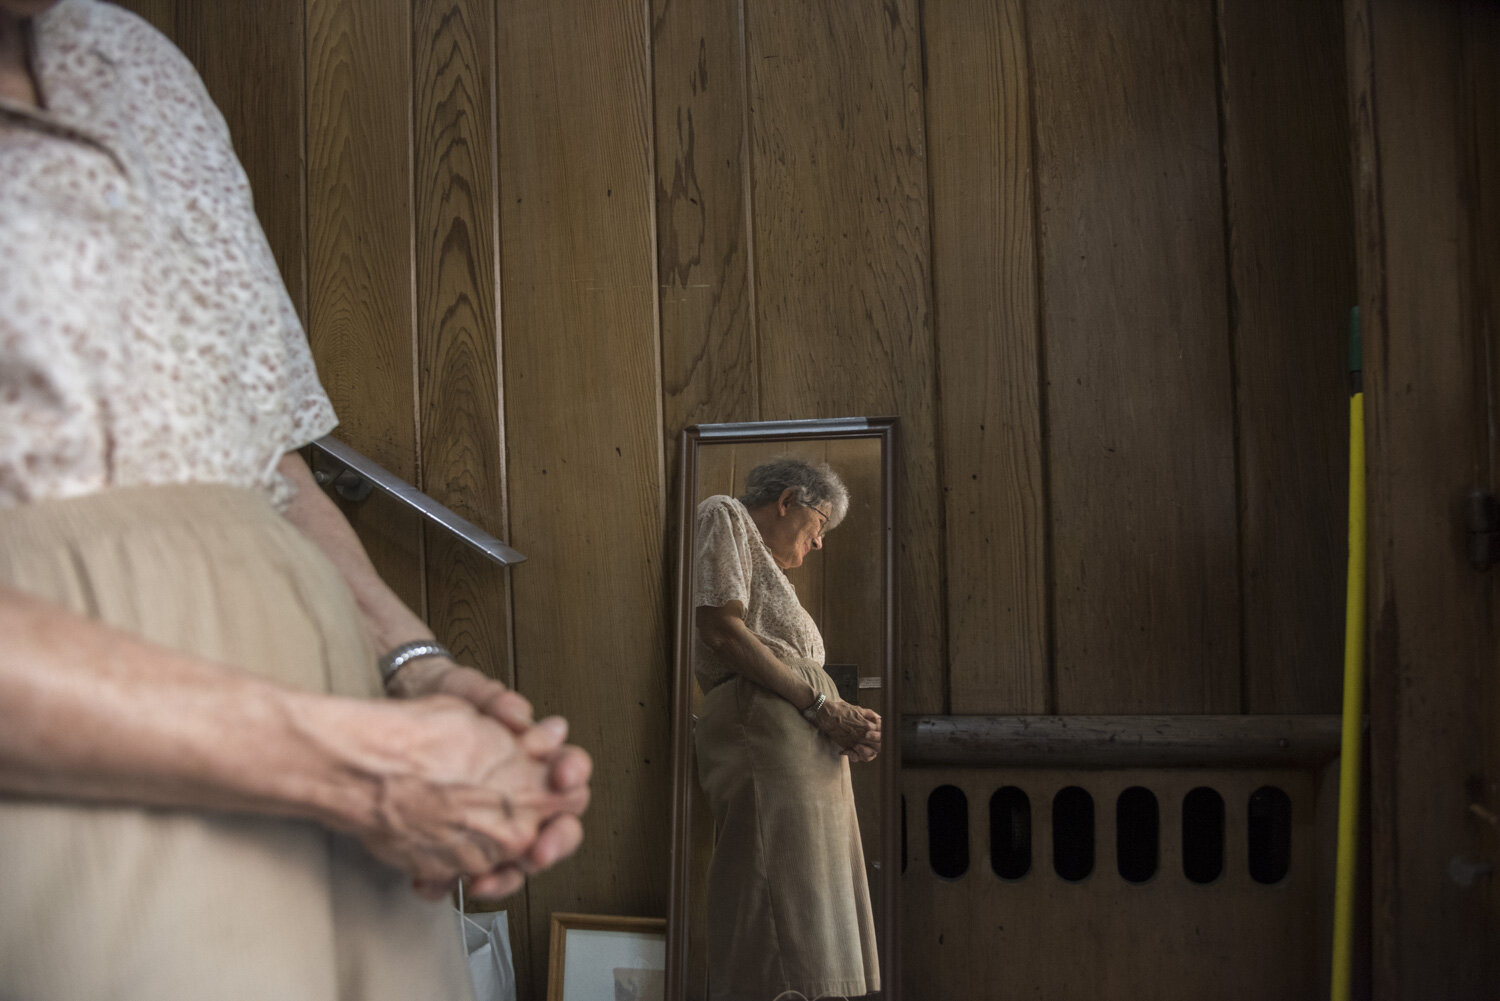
x=788 y=898
x=120 y=902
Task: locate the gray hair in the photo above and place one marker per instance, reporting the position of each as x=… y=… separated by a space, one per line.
x=815 y=483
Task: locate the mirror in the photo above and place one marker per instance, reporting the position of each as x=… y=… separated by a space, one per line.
x=847 y=588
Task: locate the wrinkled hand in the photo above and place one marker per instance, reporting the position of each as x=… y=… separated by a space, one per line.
x=459 y=795
x=854 y=728
x=441 y=676
x=571 y=768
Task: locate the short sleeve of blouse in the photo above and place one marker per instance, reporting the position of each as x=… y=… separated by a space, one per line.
x=721 y=559
x=146 y=336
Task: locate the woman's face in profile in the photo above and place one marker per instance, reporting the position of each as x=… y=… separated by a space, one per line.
x=798 y=530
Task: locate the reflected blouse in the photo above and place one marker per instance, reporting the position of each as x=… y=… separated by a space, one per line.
x=732 y=563
x=145 y=334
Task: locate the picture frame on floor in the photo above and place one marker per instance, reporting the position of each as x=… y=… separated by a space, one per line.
x=605 y=957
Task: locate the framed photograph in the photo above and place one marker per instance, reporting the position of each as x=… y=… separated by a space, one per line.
x=600 y=957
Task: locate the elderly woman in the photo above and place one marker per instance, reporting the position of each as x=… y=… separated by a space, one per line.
x=202 y=793
x=789 y=904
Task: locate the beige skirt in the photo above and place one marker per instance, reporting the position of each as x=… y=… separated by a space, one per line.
x=788 y=898
x=104 y=901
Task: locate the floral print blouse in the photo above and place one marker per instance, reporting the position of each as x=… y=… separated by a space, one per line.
x=146 y=337
x=731 y=563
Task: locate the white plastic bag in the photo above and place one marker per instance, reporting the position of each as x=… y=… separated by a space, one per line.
x=487 y=942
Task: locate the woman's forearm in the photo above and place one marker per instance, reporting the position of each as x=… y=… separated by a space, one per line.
x=728 y=636
x=92 y=712
x=854 y=729
x=390 y=622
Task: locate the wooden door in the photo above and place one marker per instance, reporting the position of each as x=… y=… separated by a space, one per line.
x=1425 y=102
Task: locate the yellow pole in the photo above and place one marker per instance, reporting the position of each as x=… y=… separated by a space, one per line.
x=1354 y=682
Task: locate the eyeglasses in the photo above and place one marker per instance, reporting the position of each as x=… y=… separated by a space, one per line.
x=821 y=514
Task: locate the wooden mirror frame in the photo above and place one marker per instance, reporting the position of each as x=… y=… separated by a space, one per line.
x=680 y=887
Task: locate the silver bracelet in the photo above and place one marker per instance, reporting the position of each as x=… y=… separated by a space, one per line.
x=811 y=712
x=391 y=662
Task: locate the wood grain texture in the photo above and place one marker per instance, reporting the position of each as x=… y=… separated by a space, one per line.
x=457 y=342
x=1432 y=618
x=705 y=313
x=233 y=43
x=1166 y=939
x=1480 y=27
x=984 y=294
x=582 y=416
x=1289 y=214
x=702 y=243
x=843 y=318
x=360 y=312
x=1139 y=393
x=854 y=589
x=757 y=175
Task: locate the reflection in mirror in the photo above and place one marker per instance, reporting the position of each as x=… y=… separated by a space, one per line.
x=781 y=820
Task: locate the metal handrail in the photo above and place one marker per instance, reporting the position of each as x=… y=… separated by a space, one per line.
x=356 y=476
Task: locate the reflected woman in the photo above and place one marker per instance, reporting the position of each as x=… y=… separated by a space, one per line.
x=788 y=900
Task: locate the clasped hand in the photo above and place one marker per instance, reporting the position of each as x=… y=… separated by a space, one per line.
x=854 y=728
x=470 y=787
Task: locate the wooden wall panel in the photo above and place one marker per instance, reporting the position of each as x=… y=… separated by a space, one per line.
x=702 y=209
x=457 y=341
x=688 y=211
x=1433 y=657
x=457 y=337
x=1139 y=393
x=854 y=593
x=984 y=294
x=584 y=444
x=843 y=319
x=1480 y=26
x=1289 y=214
x=360 y=310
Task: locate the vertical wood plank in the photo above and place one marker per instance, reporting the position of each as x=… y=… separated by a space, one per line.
x=1139 y=395
x=457 y=342
x=843 y=316
x=853 y=591
x=705 y=309
x=984 y=295
x=458 y=347
x=262 y=42
x=1480 y=26
x=359 y=251
x=702 y=248
x=1432 y=617
x=1289 y=214
x=1369 y=270
x=583 y=438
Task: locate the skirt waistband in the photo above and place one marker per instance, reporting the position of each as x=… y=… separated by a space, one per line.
x=49 y=523
x=209 y=570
